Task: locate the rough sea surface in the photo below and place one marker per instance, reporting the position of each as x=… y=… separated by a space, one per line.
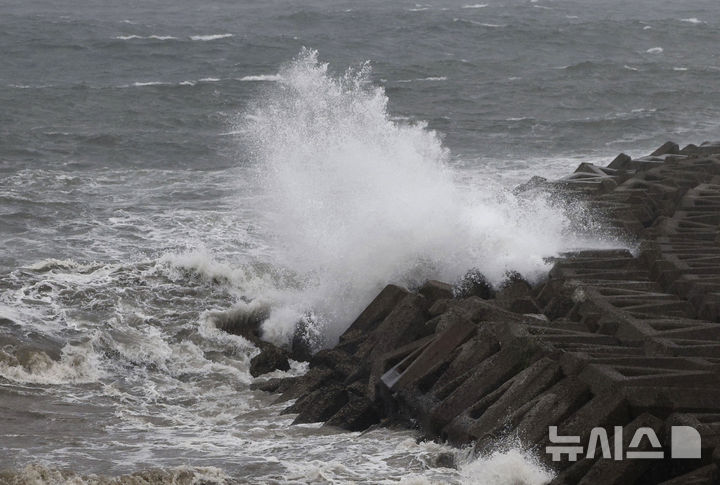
x=166 y=162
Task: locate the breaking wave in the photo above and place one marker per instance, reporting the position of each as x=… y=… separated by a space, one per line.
x=354 y=199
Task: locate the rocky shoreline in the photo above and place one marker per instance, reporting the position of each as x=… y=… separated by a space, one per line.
x=611 y=338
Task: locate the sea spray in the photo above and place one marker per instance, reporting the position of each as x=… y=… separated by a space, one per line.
x=354 y=199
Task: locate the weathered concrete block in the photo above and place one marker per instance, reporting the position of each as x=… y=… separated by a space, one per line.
x=357 y=415
x=622 y=472
x=319 y=405
x=379 y=308
x=667 y=148
x=434 y=290
x=269 y=359
x=620 y=162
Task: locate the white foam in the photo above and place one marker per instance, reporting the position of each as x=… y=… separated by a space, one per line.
x=148 y=83
x=209 y=37
x=476 y=5
x=655 y=50
x=262 y=77
x=431 y=78
x=692 y=20
x=680 y=68
x=153 y=37
x=647 y=27
x=513 y=466
x=482 y=24
x=37 y=474
x=355 y=200
x=209 y=80
x=78 y=364
x=630 y=68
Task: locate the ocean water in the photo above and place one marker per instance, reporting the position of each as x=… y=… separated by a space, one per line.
x=165 y=162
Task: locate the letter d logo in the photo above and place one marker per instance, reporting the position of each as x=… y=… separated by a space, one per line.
x=685 y=442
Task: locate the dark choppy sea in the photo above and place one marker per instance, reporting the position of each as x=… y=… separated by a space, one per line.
x=163 y=162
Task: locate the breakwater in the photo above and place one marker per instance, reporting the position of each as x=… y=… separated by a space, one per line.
x=612 y=338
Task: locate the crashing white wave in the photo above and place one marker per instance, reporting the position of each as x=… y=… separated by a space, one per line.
x=476 y=5
x=261 y=77
x=152 y=37
x=141 y=84
x=355 y=200
x=655 y=50
x=692 y=20
x=78 y=364
x=513 y=466
x=209 y=37
x=431 y=78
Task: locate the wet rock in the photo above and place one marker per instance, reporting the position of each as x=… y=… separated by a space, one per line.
x=438 y=308
x=524 y=305
x=621 y=162
x=434 y=290
x=269 y=359
x=357 y=415
x=444 y=460
x=314 y=378
x=302 y=345
x=404 y=324
x=340 y=362
x=276 y=384
x=514 y=295
x=667 y=148
x=244 y=322
x=320 y=405
x=532 y=184
x=474 y=283
x=558 y=307
x=378 y=309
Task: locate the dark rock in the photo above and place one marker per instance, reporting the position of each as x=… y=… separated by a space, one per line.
x=435 y=290
x=304 y=341
x=619 y=472
x=341 y=363
x=320 y=405
x=444 y=460
x=474 y=283
x=438 y=308
x=558 y=307
x=304 y=385
x=379 y=308
x=667 y=148
x=242 y=321
x=357 y=415
x=689 y=149
x=523 y=305
x=621 y=162
x=405 y=323
x=534 y=183
x=276 y=384
x=707 y=475
x=515 y=287
x=478 y=310
x=269 y=359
